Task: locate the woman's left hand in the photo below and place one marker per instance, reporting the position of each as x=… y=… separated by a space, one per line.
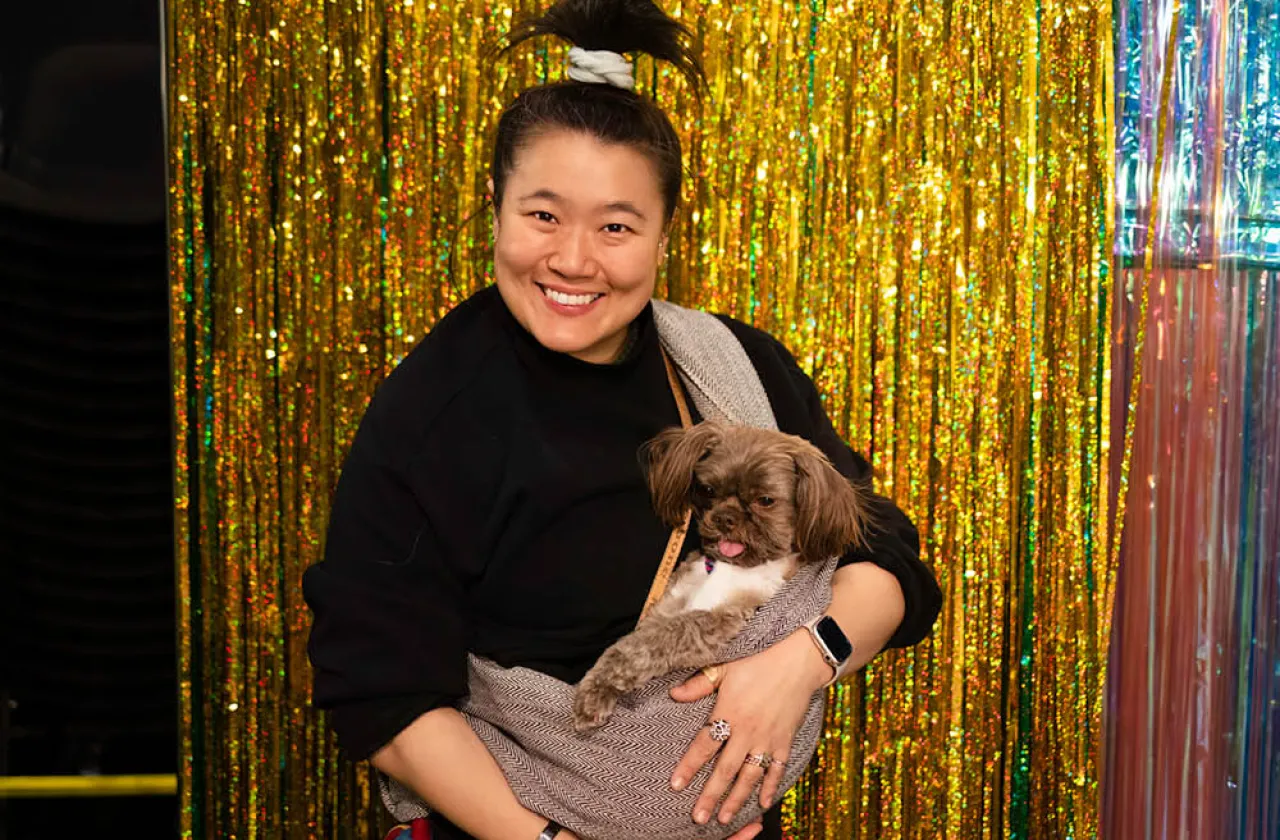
x=764 y=698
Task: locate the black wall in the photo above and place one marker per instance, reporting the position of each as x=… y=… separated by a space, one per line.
x=32 y=29
x=87 y=631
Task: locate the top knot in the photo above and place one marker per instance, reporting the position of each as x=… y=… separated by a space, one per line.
x=601 y=67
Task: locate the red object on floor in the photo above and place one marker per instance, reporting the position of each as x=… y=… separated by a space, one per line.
x=416 y=830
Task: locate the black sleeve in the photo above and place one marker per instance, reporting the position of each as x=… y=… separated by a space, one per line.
x=894 y=543
x=389 y=636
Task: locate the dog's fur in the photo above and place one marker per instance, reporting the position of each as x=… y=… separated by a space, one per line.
x=775 y=496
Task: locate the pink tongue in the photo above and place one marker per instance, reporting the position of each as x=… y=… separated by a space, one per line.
x=731 y=549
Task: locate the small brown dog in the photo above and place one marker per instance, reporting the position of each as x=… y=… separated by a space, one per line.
x=764 y=502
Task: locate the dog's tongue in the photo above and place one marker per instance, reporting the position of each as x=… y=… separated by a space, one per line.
x=730 y=549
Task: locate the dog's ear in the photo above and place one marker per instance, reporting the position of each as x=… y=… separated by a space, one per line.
x=669 y=460
x=831 y=513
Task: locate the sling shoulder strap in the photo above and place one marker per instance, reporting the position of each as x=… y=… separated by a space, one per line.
x=672 y=552
x=700 y=351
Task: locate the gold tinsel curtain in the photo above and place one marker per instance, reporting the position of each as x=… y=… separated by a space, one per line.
x=914 y=196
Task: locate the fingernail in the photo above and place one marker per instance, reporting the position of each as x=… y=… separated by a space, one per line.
x=700 y=817
x=726 y=818
x=767 y=803
x=677 y=782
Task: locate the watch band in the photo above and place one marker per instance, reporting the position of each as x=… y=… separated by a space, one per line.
x=549 y=833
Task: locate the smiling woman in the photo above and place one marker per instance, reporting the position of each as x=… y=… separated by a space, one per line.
x=492 y=532
x=578 y=241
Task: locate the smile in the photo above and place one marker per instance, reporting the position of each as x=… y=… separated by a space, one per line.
x=569 y=300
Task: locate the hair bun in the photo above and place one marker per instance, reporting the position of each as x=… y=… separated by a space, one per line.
x=601 y=67
x=620 y=26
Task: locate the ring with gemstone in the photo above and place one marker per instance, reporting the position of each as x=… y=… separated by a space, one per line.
x=720 y=730
x=762 y=760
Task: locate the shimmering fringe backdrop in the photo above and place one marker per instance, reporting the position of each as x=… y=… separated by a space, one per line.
x=1194 y=724
x=915 y=197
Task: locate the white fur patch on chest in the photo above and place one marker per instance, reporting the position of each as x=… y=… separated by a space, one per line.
x=726 y=582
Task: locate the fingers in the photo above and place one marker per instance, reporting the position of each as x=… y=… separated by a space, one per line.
x=748 y=831
x=726 y=770
x=699 y=753
x=696 y=687
x=773 y=778
x=748 y=776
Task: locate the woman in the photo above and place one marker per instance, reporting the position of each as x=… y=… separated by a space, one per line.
x=493 y=502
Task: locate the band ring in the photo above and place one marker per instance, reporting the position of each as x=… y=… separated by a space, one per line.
x=720 y=730
x=714 y=673
x=762 y=760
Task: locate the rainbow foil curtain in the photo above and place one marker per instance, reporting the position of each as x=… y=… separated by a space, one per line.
x=916 y=198
x=1194 y=700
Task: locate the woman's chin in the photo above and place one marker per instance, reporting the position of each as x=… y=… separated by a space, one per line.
x=589 y=347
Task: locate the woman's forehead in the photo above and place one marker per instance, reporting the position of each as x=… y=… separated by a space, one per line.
x=581 y=171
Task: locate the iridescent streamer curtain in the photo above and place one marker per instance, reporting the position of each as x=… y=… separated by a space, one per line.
x=916 y=198
x=1194 y=700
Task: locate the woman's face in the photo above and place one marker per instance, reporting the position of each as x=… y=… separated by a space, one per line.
x=577 y=242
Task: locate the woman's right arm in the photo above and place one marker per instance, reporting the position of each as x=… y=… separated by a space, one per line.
x=391 y=621
x=442 y=760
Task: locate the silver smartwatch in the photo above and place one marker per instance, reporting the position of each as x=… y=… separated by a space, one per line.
x=832 y=643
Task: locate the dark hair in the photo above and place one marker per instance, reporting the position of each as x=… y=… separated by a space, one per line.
x=611 y=114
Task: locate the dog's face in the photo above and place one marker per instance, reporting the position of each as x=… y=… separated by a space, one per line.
x=756 y=494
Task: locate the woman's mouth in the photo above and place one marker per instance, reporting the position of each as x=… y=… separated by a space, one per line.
x=566 y=299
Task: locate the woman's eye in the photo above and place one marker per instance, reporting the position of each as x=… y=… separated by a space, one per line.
x=765 y=501
x=542 y=216
x=616 y=227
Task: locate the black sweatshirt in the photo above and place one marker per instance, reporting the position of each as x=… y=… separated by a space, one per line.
x=493 y=502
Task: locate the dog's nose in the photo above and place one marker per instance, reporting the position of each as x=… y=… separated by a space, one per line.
x=724 y=520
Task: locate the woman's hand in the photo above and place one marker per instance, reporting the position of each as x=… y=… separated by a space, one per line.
x=749 y=831
x=764 y=698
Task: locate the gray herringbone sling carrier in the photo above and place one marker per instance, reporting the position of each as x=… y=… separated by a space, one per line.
x=613 y=783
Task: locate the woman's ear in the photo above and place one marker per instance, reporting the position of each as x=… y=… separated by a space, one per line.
x=493 y=206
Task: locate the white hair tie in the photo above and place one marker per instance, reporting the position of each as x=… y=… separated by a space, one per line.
x=600 y=67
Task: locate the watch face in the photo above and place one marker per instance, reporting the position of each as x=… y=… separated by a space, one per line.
x=834 y=638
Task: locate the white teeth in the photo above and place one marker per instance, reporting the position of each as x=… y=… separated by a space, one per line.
x=568 y=300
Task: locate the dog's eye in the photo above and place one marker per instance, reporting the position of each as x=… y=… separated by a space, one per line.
x=705 y=490
x=765 y=501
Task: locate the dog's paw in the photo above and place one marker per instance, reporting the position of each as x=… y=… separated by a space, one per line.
x=593 y=705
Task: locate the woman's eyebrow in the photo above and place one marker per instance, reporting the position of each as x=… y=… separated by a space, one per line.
x=542 y=193
x=624 y=207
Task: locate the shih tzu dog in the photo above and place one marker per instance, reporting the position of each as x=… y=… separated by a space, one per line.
x=764 y=502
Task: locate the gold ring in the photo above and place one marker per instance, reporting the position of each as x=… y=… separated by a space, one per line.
x=714 y=673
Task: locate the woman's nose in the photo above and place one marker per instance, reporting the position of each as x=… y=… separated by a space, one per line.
x=572 y=256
